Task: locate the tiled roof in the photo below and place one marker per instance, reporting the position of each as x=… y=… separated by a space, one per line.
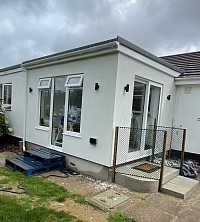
x=189 y=62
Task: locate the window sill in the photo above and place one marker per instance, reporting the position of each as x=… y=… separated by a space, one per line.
x=43 y=128
x=73 y=134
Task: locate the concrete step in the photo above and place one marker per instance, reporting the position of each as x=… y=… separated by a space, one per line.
x=169 y=174
x=180 y=187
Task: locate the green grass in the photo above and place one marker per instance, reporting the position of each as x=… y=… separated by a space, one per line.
x=17 y=210
x=119 y=217
x=33 y=207
x=38 y=187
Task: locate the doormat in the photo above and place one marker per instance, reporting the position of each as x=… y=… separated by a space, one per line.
x=108 y=199
x=146 y=167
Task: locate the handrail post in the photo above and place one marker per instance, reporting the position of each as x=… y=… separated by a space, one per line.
x=163 y=161
x=154 y=140
x=115 y=153
x=183 y=151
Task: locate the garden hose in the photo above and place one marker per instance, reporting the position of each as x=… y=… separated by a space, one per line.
x=20 y=186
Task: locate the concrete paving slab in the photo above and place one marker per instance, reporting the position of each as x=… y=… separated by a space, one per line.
x=143 y=212
x=169 y=174
x=108 y=199
x=189 y=215
x=165 y=203
x=180 y=187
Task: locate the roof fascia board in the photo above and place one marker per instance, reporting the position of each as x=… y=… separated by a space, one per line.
x=10 y=71
x=187 y=81
x=68 y=59
x=147 y=54
x=77 y=54
x=148 y=61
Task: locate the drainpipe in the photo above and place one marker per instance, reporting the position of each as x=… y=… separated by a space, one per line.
x=25 y=102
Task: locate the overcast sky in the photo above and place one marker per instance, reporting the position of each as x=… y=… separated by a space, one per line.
x=34 y=28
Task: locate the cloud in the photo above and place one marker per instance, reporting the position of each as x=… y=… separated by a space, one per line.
x=31 y=29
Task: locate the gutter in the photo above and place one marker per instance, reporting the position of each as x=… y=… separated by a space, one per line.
x=76 y=54
x=187 y=80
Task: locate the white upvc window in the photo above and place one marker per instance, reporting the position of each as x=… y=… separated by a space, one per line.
x=6 y=95
x=44 y=83
x=74 y=80
x=74 y=101
x=44 y=87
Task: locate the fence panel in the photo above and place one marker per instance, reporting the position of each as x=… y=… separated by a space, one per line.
x=136 y=150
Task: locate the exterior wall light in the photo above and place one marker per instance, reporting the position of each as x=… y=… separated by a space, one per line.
x=126 y=88
x=30 y=89
x=96 y=87
x=169 y=97
x=93 y=141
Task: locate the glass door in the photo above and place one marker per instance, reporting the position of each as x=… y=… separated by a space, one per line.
x=145 y=109
x=137 y=116
x=153 y=107
x=152 y=115
x=57 y=125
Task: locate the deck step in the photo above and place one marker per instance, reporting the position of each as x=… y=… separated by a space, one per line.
x=44 y=156
x=36 y=161
x=180 y=187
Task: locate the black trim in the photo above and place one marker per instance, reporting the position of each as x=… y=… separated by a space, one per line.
x=10 y=68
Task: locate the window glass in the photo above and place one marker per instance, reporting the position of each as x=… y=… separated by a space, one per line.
x=7 y=93
x=137 y=116
x=1 y=99
x=75 y=80
x=58 y=111
x=45 y=98
x=74 y=110
x=44 y=83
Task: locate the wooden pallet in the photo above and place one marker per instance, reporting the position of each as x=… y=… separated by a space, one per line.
x=36 y=162
x=45 y=156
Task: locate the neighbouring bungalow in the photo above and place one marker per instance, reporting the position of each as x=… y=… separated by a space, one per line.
x=187 y=110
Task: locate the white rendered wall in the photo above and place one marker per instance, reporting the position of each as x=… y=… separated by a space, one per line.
x=17 y=112
x=97 y=107
x=128 y=70
x=187 y=114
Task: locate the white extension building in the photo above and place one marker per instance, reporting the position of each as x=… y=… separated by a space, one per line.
x=72 y=101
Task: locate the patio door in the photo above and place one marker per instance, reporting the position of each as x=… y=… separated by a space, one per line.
x=58 y=110
x=137 y=119
x=145 y=109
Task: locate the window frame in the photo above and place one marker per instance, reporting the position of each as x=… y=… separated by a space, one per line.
x=79 y=84
x=67 y=109
x=48 y=86
x=68 y=88
x=6 y=106
x=40 y=89
x=40 y=99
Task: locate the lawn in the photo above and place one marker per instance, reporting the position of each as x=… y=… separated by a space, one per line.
x=33 y=206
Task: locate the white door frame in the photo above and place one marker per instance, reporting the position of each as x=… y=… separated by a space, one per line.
x=142 y=152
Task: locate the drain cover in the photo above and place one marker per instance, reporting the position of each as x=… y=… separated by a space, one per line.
x=108 y=199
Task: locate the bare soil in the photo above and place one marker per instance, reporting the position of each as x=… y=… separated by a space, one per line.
x=82 y=212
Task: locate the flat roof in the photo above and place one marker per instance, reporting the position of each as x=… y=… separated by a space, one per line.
x=118 y=39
